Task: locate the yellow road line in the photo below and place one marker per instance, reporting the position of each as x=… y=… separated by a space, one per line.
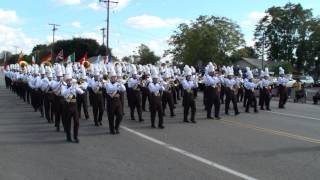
x=271 y=131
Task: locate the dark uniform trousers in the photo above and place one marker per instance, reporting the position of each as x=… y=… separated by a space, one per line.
x=205 y=98
x=135 y=102
x=48 y=106
x=188 y=103
x=167 y=98
x=245 y=98
x=98 y=107
x=240 y=94
x=122 y=101
x=115 y=112
x=71 y=108
x=60 y=111
x=231 y=97
x=213 y=98
x=251 y=101
x=260 y=97
x=145 y=96
x=82 y=100
x=266 y=97
x=222 y=93
x=156 y=107
x=38 y=100
x=283 y=93
x=91 y=94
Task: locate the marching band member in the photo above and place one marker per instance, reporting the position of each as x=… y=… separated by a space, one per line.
x=230 y=91
x=282 y=88
x=266 y=91
x=145 y=80
x=188 y=85
x=240 y=93
x=97 y=97
x=212 y=92
x=156 y=89
x=82 y=99
x=250 y=86
x=70 y=91
x=114 y=104
x=59 y=102
x=134 y=90
x=48 y=95
x=167 y=97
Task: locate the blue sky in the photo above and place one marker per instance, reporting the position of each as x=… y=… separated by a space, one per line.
x=24 y=23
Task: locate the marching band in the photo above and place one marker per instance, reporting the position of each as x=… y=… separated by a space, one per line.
x=61 y=91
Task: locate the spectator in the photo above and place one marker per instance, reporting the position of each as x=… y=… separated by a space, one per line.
x=316 y=97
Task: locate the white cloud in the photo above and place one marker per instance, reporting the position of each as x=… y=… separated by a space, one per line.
x=122 y=4
x=95 y=6
x=127 y=49
x=252 y=19
x=11 y=37
x=76 y=24
x=66 y=2
x=248 y=25
x=9 y=17
x=147 y=21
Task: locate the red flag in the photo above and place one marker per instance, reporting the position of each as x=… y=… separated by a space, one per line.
x=84 y=58
x=46 y=58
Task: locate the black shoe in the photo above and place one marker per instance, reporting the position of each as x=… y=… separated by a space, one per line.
x=117 y=131
x=141 y=120
x=268 y=109
x=58 y=129
x=76 y=140
x=100 y=123
x=227 y=113
x=256 y=111
x=186 y=121
x=209 y=117
x=247 y=111
x=133 y=119
x=112 y=132
x=161 y=127
x=173 y=115
x=153 y=126
x=261 y=108
x=237 y=113
x=96 y=124
x=193 y=121
x=87 y=117
x=69 y=140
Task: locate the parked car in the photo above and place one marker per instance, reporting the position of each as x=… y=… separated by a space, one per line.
x=307 y=80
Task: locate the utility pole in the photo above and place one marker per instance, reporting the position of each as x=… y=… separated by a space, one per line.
x=262 y=60
x=16 y=47
x=103 y=35
x=54 y=28
x=108 y=12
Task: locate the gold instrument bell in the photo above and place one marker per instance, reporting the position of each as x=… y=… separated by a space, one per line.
x=86 y=64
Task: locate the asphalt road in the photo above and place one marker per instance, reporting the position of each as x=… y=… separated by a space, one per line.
x=281 y=144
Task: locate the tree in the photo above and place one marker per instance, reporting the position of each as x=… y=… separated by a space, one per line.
x=126 y=59
x=283 y=33
x=208 y=38
x=247 y=52
x=146 y=56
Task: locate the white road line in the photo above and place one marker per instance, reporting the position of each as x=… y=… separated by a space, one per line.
x=293 y=115
x=190 y=155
